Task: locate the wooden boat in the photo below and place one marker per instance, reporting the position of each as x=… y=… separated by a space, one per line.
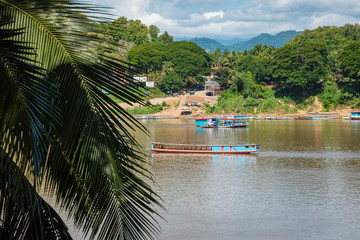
x=159 y=118
x=279 y=118
x=323 y=113
x=143 y=117
x=319 y=118
x=221 y=122
x=355 y=115
x=189 y=148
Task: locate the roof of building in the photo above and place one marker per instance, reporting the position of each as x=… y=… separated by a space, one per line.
x=212 y=83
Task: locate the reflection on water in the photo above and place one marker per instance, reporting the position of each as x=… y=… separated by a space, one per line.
x=222 y=135
x=211 y=158
x=304 y=183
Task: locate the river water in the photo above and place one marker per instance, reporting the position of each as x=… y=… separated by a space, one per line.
x=304 y=183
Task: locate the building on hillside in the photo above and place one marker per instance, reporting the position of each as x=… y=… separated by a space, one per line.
x=143 y=81
x=212 y=88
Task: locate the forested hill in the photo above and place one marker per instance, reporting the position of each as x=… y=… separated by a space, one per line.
x=208 y=44
x=276 y=41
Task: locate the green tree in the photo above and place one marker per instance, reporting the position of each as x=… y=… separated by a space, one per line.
x=171 y=81
x=245 y=85
x=58 y=129
x=330 y=96
x=153 y=32
x=300 y=65
x=117 y=29
x=350 y=61
x=216 y=57
x=223 y=76
x=188 y=58
x=137 y=32
x=147 y=57
x=165 y=38
x=256 y=67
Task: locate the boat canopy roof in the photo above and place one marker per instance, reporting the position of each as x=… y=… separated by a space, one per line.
x=226 y=145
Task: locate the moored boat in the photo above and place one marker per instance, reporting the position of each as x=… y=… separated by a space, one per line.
x=189 y=148
x=319 y=118
x=221 y=122
x=279 y=118
x=143 y=117
x=355 y=115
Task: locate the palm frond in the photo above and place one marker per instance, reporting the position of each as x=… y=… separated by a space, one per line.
x=25 y=214
x=93 y=164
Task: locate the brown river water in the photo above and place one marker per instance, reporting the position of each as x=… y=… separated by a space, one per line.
x=303 y=184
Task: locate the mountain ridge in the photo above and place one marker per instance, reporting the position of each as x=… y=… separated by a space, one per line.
x=276 y=41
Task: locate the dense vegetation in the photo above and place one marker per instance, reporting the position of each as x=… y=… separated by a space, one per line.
x=173 y=66
x=321 y=63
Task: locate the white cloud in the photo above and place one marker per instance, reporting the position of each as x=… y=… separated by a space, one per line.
x=156 y=19
x=240 y=19
x=209 y=15
x=331 y=19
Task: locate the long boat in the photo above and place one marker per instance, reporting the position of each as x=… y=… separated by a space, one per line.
x=221 y=122
x=323 y=113
x=319 y=118
x=189 y=148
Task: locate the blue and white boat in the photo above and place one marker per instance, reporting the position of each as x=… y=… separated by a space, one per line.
x=190 y=148
x=319 y=118
x=355 y=115
x=221 y=122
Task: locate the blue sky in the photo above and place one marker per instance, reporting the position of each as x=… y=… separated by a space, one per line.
x=226 y=19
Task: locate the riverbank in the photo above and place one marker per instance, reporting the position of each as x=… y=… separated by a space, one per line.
x=175 y=105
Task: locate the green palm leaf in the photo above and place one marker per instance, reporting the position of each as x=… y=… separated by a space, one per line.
x=62 y=131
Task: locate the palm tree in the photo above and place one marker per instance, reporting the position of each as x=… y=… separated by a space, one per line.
x=60 y=130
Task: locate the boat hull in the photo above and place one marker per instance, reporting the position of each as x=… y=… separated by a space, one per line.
x=213 y=149
x=203 y=151
x=219 y=126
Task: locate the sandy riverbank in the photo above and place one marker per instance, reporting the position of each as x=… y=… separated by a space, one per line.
x=176 y=104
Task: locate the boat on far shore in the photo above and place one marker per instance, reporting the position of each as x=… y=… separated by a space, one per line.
x=320 y=118
x=190 y=148
x=322 y=113
x=153 y=117
x=143 y=117
x=355 y=115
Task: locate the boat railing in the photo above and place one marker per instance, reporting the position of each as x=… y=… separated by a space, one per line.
x=193 y=147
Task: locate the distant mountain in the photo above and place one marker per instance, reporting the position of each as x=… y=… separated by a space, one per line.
x=208 y=44
x=277 y=40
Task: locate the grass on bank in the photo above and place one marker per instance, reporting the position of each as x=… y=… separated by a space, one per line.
x=149 y=109
x=237 y=103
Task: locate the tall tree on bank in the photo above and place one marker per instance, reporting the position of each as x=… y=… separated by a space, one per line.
x=350 y=61
x=300 y=66
x=59 y=130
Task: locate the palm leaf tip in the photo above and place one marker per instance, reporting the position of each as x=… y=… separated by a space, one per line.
x=68 y=134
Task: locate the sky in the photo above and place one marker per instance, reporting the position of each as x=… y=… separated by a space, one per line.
x=231 y=19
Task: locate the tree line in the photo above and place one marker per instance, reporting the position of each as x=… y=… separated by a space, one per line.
x=321 y=62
